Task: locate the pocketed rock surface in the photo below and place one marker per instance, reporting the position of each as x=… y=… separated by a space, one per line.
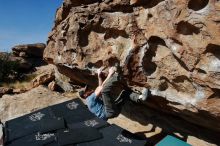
x=175 y=52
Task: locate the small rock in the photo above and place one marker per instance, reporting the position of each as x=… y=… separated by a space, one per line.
x=43 y=78
x=18 y=91
x=52 y=86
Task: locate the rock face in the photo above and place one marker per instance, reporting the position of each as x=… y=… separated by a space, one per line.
x=170 y=46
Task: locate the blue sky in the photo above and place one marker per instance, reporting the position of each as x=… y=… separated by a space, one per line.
x=26 y=21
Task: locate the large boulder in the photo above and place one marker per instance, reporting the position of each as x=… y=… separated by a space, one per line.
x=29 y=50
x=169 y=46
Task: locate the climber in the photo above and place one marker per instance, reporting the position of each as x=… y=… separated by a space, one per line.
x=101 y=103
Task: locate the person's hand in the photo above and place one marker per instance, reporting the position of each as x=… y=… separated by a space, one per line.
x=111 y=71
x=99 y=71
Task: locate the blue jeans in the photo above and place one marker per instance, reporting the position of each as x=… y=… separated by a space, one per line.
x=96 y=106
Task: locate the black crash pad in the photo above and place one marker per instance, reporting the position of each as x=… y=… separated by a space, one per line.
x=72 y=111
x=36 y=139
x=67 y=108
x=67 y=137
x=42 y=126
x=30 y=118
x=53 y=144
x=115 y=136
x=78 y=116
x=94 y=122
x=47 y=127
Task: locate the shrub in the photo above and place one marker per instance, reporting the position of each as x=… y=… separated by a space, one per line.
x=8 y=68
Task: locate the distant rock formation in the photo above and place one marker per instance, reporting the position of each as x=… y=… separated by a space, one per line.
x=23 y=60
x=176 y=50
x=29 y=55
x=29 y=50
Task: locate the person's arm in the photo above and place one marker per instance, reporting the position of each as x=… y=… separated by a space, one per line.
x=98 y=90
x=99 y=73
x=110 y=73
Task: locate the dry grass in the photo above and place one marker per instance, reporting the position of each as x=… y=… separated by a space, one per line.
x=24 y=84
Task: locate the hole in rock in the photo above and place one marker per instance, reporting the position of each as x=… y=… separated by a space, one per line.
x=83 y=34
x=97 y=64
x=214 y=49
x=149 y=15
x=163 y=86
x=197 y=5
x=83 y=38
x=81 y=25
x=112 y=61
x=120 y=8
x=186 y=28
x=84 y=6
x=90 y=17
x=149 y=66
x=155 y=41
x=202 y=71
x=114 y=33
x=216 y=93
x=181 y=79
